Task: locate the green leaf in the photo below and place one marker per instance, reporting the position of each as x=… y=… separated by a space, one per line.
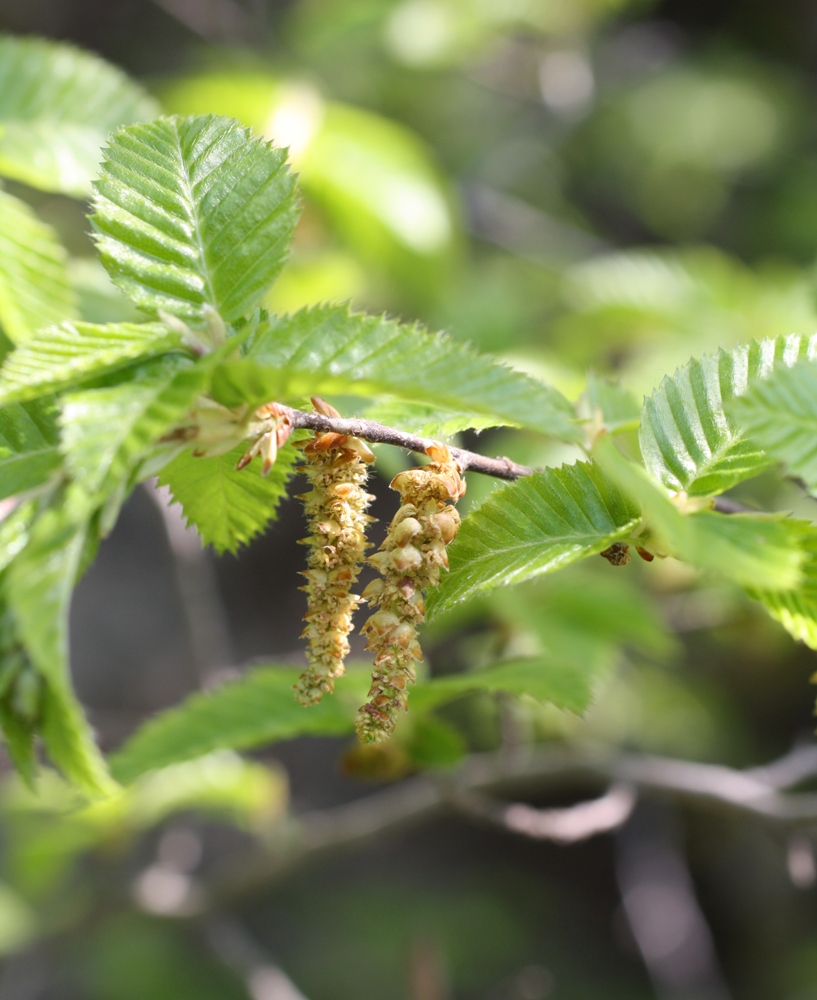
x=29 y=442
x=779 y=414
x=227 y=507
x=743 y=548
x=688 y=439
x=106 y=432
x=330 y=349
x=19 y=740
x=554 y=681
x=14 y=531
x=194 y=213
x=606 y=402
x=64 y=356
x=425 y=419
x=38 y=590
x=57 y=107
x=533 y=526
x=34 y=287
x=258 y=708
x=746 y=548
x=796 y=609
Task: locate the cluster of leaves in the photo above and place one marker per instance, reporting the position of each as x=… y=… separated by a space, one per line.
x=193 y=218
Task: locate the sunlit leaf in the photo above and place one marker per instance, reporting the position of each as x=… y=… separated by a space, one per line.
x=533 y=526
x=34 y=286
x=796 y=610
x=227 y=507
x=63 y=356
x=106 y=431
x=779 y=414
x=29 y=446
x=194 y=213
x=688 y=439
x=330 y=349
x=57 y=107
x=744 y=548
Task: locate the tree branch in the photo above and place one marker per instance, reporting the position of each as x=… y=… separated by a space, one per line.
x=375 y=433
x=702 y=786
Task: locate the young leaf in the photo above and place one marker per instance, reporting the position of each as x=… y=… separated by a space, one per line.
x=554 y=681
x=64 y=356
x=194 y=213
x=746 y=548
x=425 y=419
x=105 y=432
x=227 y=507
x=780 y=415
x=19 y=740
x=533 y=526
x=330 y=349
x=610 y=404
x=34 y=286
x=57 y=107
x=688 y=440
x=29 y=446
x=38 y=590
x=258 y=708
x=796 y=610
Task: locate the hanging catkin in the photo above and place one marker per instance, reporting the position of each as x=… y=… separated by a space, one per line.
x=409 y=561
x=336 y=467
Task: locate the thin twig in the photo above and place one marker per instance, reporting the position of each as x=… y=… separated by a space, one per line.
x=567 y=825
x=702 y=786
x=376 y=433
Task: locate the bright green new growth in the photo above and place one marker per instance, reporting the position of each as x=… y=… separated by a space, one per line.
x=193 y=219
x=537 y=525
x=34 y=286
x=194 y=213
x=57 y=107
x=780 y=413
x=688 y=440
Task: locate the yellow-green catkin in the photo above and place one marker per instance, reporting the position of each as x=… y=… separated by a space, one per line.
x=409 y=561
x=336 y=467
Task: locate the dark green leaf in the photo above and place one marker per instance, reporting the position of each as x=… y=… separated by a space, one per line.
x=551 y=680
x=38 y=589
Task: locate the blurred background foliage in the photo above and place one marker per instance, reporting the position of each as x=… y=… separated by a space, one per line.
x=614 y=185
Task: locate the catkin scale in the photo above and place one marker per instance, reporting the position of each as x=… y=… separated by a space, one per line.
x=409 y=561
x=336 y=467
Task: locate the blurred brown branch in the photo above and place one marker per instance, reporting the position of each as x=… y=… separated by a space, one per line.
x=762 y=793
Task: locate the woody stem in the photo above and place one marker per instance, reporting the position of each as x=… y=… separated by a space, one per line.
x=375 y=433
